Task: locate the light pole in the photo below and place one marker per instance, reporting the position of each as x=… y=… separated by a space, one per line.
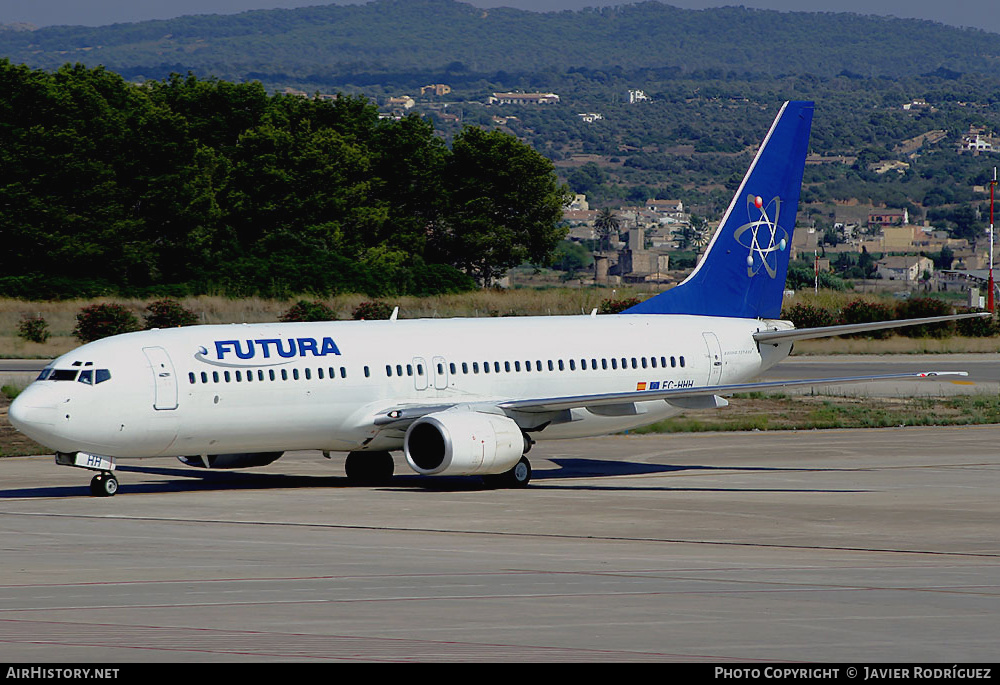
x=993 y=185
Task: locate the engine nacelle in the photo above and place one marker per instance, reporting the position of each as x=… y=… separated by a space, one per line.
x=463 y=443
x=239 y=460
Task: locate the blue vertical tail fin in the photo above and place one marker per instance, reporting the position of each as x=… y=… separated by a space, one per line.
x=742 y=273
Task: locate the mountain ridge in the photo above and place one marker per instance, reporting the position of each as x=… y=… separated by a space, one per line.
x=329 y=43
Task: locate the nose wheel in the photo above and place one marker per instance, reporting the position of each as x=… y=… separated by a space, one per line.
x=104 y=485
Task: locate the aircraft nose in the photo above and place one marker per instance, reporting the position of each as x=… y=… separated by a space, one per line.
x=32 y=413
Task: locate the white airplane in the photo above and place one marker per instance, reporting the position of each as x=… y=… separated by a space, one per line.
x=458 y=396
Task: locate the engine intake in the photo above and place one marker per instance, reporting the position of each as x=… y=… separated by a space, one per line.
x=463 y=443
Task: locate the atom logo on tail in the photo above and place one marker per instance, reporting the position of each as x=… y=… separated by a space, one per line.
x=762 y=236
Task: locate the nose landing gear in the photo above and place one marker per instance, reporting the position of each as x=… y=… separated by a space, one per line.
x=104 y=484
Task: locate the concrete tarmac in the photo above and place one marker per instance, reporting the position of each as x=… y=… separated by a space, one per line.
x=851 y=546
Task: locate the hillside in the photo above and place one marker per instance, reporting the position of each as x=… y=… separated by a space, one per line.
x=404 y=41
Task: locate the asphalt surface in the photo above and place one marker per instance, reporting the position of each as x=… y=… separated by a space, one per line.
x=983 y=370
x=852 y=546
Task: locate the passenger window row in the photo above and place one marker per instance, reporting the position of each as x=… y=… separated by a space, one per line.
x=592 y=364
x=409 y=369
x=262 y=375
x=399 y=370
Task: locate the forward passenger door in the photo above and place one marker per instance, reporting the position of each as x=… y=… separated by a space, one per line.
x=164 y=380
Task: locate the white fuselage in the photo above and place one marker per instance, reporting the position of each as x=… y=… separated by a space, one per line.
x=286 y=386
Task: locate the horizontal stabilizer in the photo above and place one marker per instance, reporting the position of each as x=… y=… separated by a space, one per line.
x=773 y=337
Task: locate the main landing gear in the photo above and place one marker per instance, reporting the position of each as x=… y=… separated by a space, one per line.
x=376 y=468
x=517 y=477
x=369 y=468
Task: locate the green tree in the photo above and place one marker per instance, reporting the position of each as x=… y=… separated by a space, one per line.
x=505 y=205
x=967 y=225
x=588 y=178
x=571 y=257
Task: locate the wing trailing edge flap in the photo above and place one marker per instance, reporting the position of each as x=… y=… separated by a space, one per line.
x=776 y=336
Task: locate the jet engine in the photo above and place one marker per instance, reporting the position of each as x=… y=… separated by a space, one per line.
x=238 y=460
x=463 y=443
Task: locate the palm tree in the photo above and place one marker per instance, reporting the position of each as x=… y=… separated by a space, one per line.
x=606 y=223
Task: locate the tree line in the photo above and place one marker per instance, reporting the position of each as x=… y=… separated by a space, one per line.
x=192 y=185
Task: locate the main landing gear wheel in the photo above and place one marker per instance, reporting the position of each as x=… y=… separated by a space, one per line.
x=104 y=485
x=369 y=468
x=517 y=477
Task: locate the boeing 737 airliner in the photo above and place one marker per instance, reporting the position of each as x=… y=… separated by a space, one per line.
x=457 y=396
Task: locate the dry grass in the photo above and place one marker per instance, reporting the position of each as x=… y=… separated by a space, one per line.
x=756 y=411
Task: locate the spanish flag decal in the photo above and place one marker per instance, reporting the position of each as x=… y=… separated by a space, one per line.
x=640 y=386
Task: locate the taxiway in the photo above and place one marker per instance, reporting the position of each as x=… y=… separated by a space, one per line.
x=847 y=546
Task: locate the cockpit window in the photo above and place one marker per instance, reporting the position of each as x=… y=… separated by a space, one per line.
x=88 y=376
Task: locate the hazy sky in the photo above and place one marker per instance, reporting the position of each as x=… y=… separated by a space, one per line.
x=983 y=14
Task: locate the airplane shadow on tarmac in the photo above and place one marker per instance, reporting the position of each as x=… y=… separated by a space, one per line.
x=197 y=480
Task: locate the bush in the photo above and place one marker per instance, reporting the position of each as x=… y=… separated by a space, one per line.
x=309 y=311
x=865 y=311
x=610 y=306
x=103 y=320
x=920 y=307
x=434 y=279
x=33 y=329
x=977 y=328
x=372 y=310
x=808 y=316
x=168 y=314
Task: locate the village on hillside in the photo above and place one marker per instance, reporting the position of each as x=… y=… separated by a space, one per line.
x=643 y=240
x=659 y=241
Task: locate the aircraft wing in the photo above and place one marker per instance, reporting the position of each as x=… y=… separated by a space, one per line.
x=547 y=404
x=399 y=418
